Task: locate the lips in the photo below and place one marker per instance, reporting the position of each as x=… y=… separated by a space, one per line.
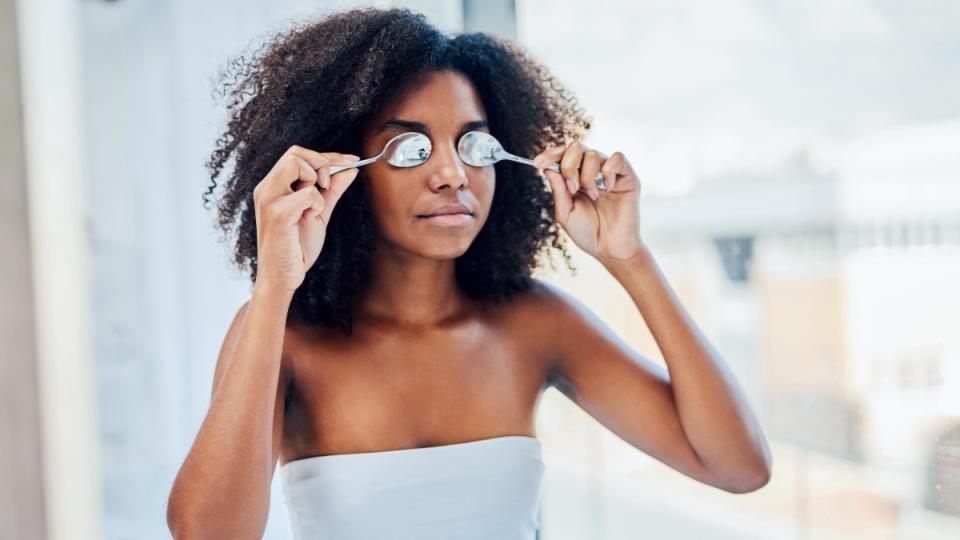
x=448 y=209
x=449 y=220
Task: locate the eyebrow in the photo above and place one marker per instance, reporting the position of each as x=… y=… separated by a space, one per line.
x=421 y=127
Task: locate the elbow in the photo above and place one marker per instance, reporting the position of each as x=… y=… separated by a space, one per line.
x=184 y=523
x=189 y=520
x=748 y=483
x=744 y=478
x=757 y=476
x=180 y=525
x=183 y=527
x=192 y=526
x=176 y=524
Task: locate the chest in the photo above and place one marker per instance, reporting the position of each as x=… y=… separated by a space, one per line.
x=376 y=392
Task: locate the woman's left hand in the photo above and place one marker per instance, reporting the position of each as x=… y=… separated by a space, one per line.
x=606 y=223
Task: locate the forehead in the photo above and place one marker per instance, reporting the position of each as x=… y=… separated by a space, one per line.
x=443 y=96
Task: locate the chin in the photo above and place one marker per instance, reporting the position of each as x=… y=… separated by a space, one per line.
x=444 y=250
x=443 y=244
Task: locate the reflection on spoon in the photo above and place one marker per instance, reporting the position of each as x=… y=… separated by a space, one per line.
x=405 y=150
x=480 y=149
x=475 y=148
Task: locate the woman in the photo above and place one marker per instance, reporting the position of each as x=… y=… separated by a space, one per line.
x=391 y=362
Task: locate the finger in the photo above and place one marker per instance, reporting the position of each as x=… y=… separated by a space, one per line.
x=570 y=165
x=341 y=159
x=592 y=161
x=611 y=169
x=548 y=156
x=288 y=210
x=562 y=199
x=318 y=159
x=281 y=173
x=308 y=175
x=321 y=161
x=338 y=186
x=552 y=156
x=284 y=176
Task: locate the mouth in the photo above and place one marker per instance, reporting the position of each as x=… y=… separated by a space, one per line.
x=454 y=219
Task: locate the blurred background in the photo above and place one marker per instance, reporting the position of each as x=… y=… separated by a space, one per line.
x=801 y=172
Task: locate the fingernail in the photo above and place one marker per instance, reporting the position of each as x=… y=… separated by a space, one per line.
x=351 y=157
x=594 y=195
x=572 y=186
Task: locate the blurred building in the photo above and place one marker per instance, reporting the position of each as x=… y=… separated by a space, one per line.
x=832 y=295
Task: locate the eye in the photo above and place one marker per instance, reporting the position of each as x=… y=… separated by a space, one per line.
x=479 y=149
x=408 y=149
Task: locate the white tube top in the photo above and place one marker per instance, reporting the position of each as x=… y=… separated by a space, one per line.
x=474 y=490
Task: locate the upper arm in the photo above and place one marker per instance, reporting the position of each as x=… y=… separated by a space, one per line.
x=227 y=349
x=625 y=391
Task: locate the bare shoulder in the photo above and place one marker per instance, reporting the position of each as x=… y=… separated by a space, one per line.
x=533 y=309
x=552 y=317
x=549 y=307
x=579 y=344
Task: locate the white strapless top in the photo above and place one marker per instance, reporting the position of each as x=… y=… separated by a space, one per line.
x=474 y=490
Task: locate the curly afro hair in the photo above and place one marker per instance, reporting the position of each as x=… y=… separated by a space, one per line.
x=317 y=84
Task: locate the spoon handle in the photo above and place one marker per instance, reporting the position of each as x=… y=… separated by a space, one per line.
x=556 y=167
x=334 y=169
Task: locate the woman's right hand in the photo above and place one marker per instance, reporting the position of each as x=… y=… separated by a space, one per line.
x=293 y=204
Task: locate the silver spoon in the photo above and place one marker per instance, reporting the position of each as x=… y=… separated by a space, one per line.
x=475 y=148
x=405 y=150
x=479 y=149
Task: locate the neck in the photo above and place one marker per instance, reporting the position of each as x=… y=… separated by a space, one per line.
x=407 y=290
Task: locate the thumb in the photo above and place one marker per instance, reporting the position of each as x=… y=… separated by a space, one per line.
x=562 y=200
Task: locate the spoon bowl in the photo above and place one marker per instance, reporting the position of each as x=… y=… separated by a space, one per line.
x=405 y=150
x=480 y=149
x=476 y=148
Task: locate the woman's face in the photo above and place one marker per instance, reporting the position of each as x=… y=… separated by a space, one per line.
x=443 y=108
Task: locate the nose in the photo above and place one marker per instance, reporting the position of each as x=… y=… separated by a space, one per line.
x=448 y=168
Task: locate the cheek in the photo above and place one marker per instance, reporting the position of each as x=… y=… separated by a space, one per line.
x=485 y=187
x=390 y=202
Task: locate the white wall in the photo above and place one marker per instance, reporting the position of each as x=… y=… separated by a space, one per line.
x=49 y=37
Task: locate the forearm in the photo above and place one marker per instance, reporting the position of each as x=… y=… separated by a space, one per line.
x=713 y=411
x=224 y=482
